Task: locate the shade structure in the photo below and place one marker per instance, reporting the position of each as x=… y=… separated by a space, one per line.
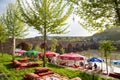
x=20 y=51
x=71 y=56
x=31 y=52
x=95 y=59
x=116 y=62
x=49 y=54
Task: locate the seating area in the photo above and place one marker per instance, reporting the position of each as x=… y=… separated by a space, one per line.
x=62 y=63
x=115 y=75
x=21 y=64
x=44 y=74
x=38 y=74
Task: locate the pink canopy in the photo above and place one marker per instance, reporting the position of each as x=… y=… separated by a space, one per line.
x=71 y=56
x=20 y=51
x=49 y=54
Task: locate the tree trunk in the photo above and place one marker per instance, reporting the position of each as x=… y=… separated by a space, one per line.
x=44 y=57
x=101 y=62
x=111 y=65
x=13 y=53
x=1 y=47
x=45 y=36
x=106 y=65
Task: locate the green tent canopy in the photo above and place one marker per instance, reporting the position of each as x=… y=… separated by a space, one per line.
x=31 y=52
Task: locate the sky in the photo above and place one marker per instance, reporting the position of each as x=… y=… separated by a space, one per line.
x=74 y=28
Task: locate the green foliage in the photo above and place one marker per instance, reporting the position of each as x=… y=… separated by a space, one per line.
x=3 y=76
x=10 y=72
x=98 y=15
x=62 y=51
x=106 y=47
x=54 y=44
x=37 y=48
x=74 y=73
x=13 y=26
x=30 y=46
x=13 y=74
x=109 y=34
x=42 y=50
x=46 y=16
x=49 y=15
x=3 y=33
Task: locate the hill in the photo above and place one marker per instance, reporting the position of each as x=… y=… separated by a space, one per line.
x=109 y=34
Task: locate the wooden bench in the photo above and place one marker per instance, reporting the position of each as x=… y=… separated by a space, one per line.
x=21 y=64
x=115 y=75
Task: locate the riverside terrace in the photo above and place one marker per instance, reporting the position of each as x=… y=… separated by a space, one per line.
x=67 y=45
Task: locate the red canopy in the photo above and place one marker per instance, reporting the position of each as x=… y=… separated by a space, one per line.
x=20 y=51
x=49 y=54
x=71 y=56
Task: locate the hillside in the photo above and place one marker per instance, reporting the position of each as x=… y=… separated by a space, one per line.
x=110 y=34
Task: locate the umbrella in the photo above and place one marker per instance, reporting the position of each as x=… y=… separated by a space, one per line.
x=71 y=56
x=116 y=62
x=95 y=59
x=49 y=54
x=20 y=51
x=31 y=52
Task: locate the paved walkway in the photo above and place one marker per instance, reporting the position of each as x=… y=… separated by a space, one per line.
x=110 y=69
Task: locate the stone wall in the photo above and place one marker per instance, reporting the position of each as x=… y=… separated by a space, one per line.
x=75 y=46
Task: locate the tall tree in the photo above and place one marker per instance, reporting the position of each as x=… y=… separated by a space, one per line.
x=54 y=44
x=47 y=16
x=106 y=47
x=3 y=35
x=98 y=15
x=13 y=26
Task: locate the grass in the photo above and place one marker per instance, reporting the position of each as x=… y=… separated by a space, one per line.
x=13 y=74
x=75 y=73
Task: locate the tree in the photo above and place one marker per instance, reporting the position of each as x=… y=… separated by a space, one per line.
x=58 y=47
x=46 y=16
x=37 y=48
x=13 y=26
x=106 y=47
x=70 y=47
x=3 y=36
x=54 y=44
x=30 y=46
x=62 y=51
x=98 y=15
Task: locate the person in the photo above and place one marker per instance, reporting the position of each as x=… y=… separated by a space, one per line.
x=81 y=64
x=49 y=60
x=90 y=66
x=95 y=66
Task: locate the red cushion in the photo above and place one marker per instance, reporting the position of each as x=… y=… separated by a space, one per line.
x=115 y=75
x=33 y=64
x=23 y=61
x=16 y=63
x=41 y=70
x=46 y=73
x=32 y=75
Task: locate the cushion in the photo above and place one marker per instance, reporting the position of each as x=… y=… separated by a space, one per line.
x=23 y=61
x=32 y=75
x=16 y=63
x=41 y=70
x=46 y=73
